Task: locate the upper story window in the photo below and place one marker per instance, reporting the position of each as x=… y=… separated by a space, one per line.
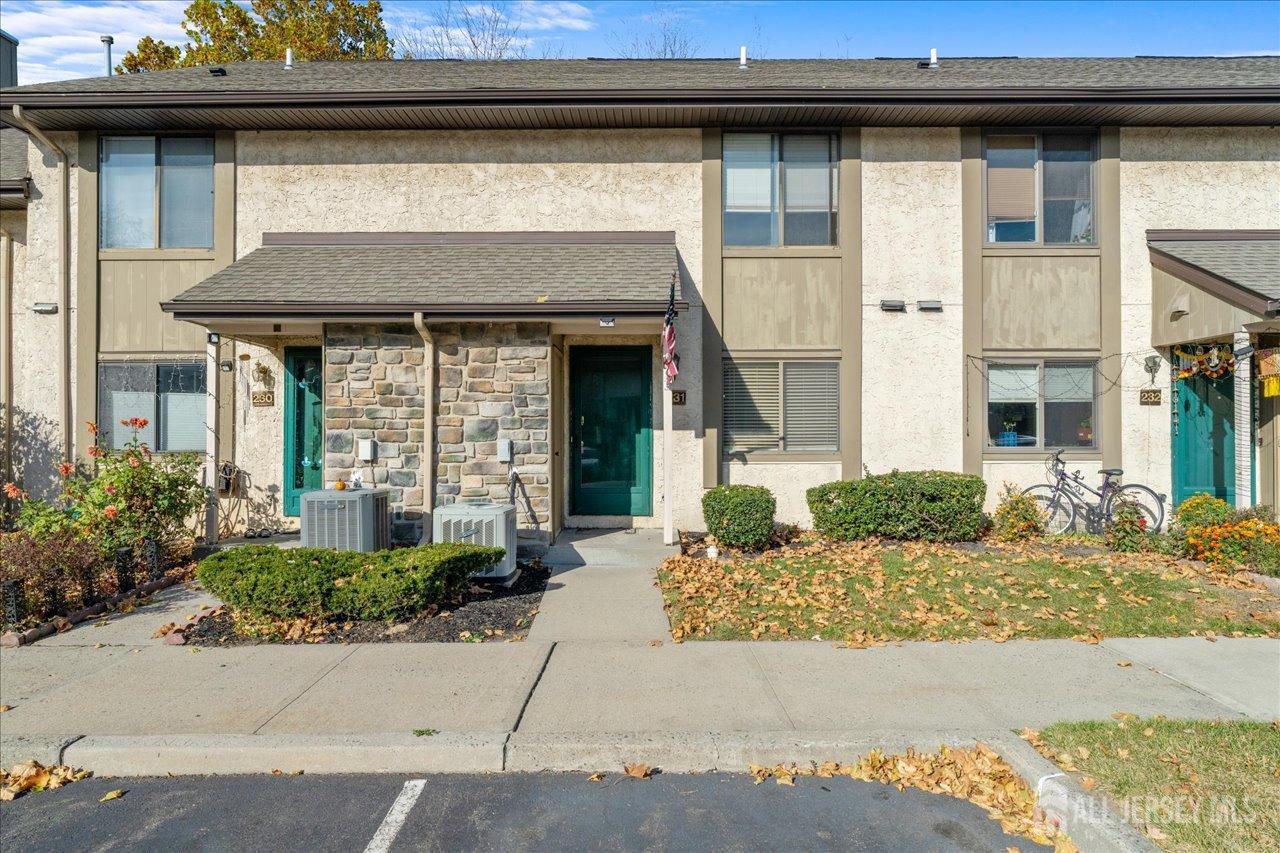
x=156 y=192
x=1040 y=188
x=780 y=189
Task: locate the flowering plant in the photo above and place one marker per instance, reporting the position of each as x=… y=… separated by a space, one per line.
x=1018 y=517
x=1252 y=542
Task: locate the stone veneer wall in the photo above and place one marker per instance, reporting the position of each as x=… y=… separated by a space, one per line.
x=494 y=382
x=373 y=389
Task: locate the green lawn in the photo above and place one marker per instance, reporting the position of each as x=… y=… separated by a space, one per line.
x=864 y=594
x=1191 y=785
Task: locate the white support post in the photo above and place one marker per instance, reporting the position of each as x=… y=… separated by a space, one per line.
x=668 y=475
x=211 y=438
x=1243 y=418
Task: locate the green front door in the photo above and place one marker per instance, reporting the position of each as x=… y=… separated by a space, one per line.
x=1204 y=456
x=303 y=424
x=610 y=431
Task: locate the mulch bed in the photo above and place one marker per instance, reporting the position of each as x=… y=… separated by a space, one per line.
x=486 y=614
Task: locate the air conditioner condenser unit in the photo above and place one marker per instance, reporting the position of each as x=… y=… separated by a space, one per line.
x=481 y=524
x=350 y=520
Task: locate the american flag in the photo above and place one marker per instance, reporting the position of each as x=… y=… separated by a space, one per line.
x=670 y=360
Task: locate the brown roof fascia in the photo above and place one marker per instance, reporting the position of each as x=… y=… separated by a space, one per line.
x=1158 y=234
x=1223 y=288
x=467 y=238
x=181 y=309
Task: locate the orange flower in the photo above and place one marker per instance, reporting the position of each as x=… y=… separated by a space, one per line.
x=12 y=491
x=93 y=427
x=111 y=513
x=136 y=423
x=66 y=469
x=134 y=462
x=96 y=452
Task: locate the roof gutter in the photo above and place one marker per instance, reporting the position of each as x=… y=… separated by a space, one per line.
x=338 y=311
x=426 y=459
x=64 y=275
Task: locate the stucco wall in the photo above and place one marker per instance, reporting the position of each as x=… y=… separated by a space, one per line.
x=788 y=482
x=1179 y=178
x=37 y=394
x=912 y=363
x=647 y=180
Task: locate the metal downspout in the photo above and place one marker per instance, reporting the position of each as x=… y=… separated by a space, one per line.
x=427 y=462
x=6 y=350
x=64 y=278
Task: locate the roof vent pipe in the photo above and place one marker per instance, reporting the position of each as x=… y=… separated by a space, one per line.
x=107 y=41
x=742 y=58
x=288 y=57
x=933 y=57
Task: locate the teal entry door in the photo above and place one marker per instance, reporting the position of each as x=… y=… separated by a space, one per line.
x=1204 y=459
x=303 y=424
x=610 y=431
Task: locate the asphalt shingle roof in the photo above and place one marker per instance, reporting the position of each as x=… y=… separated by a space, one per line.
x=619 y=74
x=575 y=269
x=13 y=154
x=1253 y=264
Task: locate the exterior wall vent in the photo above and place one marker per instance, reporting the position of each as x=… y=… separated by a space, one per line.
x=481 y=524
x=351 y=520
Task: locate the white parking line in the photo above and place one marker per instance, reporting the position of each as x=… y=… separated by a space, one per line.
x=399 y=811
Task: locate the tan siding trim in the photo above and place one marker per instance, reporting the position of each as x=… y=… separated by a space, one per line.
x=224 y=249
x=712 y=269
x=86 y=293
x=850 y=240
x=1108 y=190
x=972 y=229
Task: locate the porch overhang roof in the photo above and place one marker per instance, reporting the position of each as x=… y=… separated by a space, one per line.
x=1241 y=267
x=468 y=275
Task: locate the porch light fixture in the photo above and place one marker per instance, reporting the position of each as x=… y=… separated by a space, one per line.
x=929 y=305
x=606 y=322
x=45 y=308
x=226 y=365
x=213 y=338
x=893 y=305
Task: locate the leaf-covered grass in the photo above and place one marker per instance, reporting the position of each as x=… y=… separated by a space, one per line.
x=1191 y=785
x=864 y=594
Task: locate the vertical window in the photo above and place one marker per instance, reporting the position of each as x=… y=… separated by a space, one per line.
x=780 y=189
x=170 y=396
x=1040 y=188
x=126 y=212
x=156 y=193
x=1042 y=404
x=790 y=406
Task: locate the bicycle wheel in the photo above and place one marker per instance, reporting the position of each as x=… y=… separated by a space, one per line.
x=1059 y=510
x=1148 y=502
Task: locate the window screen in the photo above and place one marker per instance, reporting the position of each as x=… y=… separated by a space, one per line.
x=127 y=184
x=752 y=414
x=180 y=403
x=807 y=180
x=811 y=391
x=1068 y=188
x=133 y=170
x=750 y=186
x=186 y=192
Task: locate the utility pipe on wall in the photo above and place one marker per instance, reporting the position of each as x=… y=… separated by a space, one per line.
x=427 y=463
x=6 y=349
x=64 y=276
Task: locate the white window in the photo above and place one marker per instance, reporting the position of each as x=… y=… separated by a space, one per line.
x=1039 y=404
x=788 y=406
x=156 y=192
x=170 y=396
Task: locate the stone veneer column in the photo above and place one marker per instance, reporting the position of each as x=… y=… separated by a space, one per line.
x=494 y=382
x=373 y=389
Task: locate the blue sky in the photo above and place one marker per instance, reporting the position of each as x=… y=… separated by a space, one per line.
x=60 y=37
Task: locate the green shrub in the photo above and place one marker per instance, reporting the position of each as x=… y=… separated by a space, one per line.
x=739 y=516
x=1127 y=532
x=1018 y=517
x=267 y=581
x=1202 y=511
x=936 y=506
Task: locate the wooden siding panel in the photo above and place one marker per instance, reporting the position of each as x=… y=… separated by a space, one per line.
x=130 y=319
x=1041 y=303
x=1183 y=313
x=782 y=303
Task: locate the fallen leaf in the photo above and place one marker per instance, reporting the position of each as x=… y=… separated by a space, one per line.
x=111 y=795
x=655 y=643
x=4 y=708
x=596 y=777
x=1124 y=663
x=1088 y=783
x=638 y=771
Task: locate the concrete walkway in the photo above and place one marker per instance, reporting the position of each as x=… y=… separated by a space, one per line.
x=603 y=587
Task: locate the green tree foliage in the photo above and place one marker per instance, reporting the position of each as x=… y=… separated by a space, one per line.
x=223 y=31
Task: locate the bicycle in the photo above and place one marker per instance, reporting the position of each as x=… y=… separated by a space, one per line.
x=1063 y=500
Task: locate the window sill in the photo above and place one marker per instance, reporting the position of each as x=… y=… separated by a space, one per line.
x=156 y=255
x=1011 y=250
x=781 y=251
x=780 y=456
x=993 y=454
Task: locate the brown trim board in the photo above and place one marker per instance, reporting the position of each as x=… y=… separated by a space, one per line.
x=1223 y=288
x=468 y=238
x=1159 y=234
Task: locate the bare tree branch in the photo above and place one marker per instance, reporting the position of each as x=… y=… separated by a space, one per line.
x=665 y=37
x=461 y=30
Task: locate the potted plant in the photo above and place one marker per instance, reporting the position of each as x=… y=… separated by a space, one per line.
x=1009 y=437
x=1084 y=432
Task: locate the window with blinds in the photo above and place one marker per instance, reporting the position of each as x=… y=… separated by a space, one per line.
x=171 y=396
x=1042 y=404
x=1039 y=188
x=791 y=406
x=780 y=189
x=155 y=192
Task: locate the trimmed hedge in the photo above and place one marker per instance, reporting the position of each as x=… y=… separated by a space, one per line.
x=739 y=516
x=268 y=581
x=935 y=506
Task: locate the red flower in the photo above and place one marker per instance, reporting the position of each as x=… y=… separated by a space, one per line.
x=111 y=490
x=93 y=427
x=12 y=491
x=66 y=469
x=111 y=513
x=96 y=452
x=136 y=423
x=134 y=462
